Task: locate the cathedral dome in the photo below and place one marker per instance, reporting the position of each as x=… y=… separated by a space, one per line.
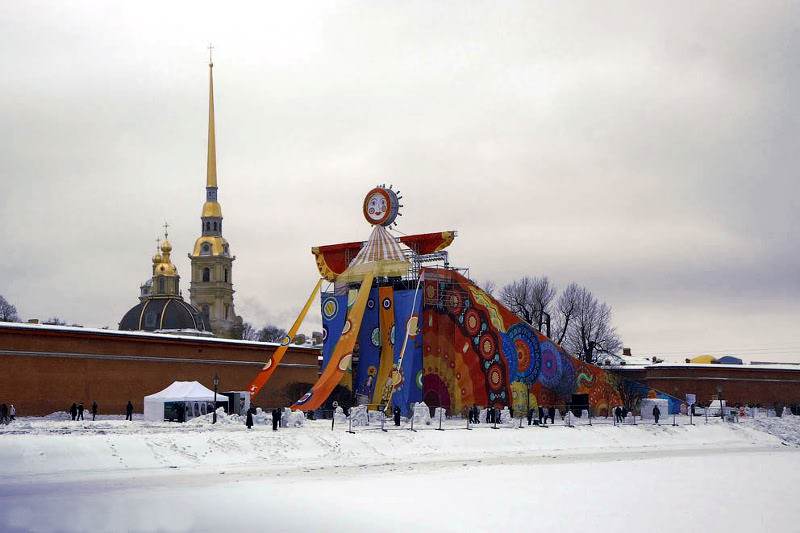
x=157 y=259
x=166 y=248
x=170 y=313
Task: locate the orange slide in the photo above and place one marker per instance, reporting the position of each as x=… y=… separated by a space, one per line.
x=342 y=354
x=272 y=364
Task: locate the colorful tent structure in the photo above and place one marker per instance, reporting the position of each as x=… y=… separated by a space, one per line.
x=420 y=329
x=729 y=360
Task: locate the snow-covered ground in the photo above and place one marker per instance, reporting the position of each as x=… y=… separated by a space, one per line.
x=113 y=475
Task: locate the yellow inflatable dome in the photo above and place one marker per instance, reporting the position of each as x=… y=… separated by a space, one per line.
x=704 y=359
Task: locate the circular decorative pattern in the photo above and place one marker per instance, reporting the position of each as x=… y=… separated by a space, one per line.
x=419 y=379
x=307 y=396
x=551 y=364
x=324 y=332
x=285 y=340
x=486 y=344
x=412 y=326
x=472 y=321
x=370 y=303
x=347 y=326
x=430 y=291
x=381 y=206
x=344 y=362
x=528 y=352
x=495 y=375
x=375 y=336
x=330 y=307
x=454 y=301
x=387 y=303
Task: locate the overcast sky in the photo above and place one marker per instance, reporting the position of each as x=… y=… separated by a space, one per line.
x=647 y=152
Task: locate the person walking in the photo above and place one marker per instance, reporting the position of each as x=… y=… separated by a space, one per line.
x=74 y=410
x=80 y=411
x=396 y=412
x=249 y=422
x=12 y=411
x=552 y=412
x=3 y=414
x=476 y=413
x=94 y=410
x=530 y=416
x=656 y=413
x=129 y=411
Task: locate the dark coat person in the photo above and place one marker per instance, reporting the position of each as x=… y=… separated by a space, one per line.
x=396 y=413
x=530 y=416
x=94 y=410
x=656 y=413
x=249 y=422
x=4 y=414
x=129 y=411
x=74 y=411
x=276 y=419
x=618 y=414
x=80 y=411
x=552 y=412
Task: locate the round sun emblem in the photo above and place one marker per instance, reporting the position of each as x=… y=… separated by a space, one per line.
x=381 y=206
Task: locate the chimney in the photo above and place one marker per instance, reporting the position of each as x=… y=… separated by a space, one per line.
x=626 y=352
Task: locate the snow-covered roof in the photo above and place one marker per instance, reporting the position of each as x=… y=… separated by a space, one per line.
x=144 y=334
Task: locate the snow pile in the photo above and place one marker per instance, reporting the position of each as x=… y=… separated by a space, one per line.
x=58 y=415
x=292 y=419
x=785 y=427
x=223 y=418
x=422 y=414
x=375 y=417
x=505 y=417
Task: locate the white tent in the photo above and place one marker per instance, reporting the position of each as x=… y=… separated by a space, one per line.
x=190 y=392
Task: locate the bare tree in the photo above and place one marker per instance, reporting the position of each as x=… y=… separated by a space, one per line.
x=565 y=309
x=54 y=321
x=529 y=298
x=270 y=333
x=631 y=393
x=591 y=331
x=488 y=286
x=245 y=332
x=8 y=313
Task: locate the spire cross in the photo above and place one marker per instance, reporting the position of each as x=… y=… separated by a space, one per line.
x=166 y=227
x=158 y=243
x=210 y=49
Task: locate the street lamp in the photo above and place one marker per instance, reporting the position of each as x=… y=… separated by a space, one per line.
x=216 y=384
x=721 y=412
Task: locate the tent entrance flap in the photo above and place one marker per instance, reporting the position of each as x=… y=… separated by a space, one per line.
x=342 y=354
x=272 y=364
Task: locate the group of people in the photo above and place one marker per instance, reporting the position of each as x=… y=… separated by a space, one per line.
x=619 y=414
x=277 y=413
x=77 y=411
x=7 y=414
x=542 y=414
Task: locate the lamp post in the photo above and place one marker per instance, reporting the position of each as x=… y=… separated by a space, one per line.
x=721 y=411
x=216 y=384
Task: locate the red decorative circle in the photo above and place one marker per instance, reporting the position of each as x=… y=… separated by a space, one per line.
x=454 y=301
x=495 y=377
x=487 y=346
x=473 y=322
x=452 y=364
x=523 y=353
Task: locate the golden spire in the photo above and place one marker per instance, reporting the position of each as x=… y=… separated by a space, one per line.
x=211 y=169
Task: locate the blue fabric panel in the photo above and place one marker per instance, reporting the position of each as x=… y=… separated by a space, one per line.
x=369 y=347
x=409 y=391
x=334 y=312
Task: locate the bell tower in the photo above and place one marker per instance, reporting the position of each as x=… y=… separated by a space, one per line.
x=211 y=290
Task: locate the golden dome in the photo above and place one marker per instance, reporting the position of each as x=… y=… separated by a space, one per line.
x=157 y=259
x=214 y=246
x=166 y=248
x=166 y=269
x=212 y=209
